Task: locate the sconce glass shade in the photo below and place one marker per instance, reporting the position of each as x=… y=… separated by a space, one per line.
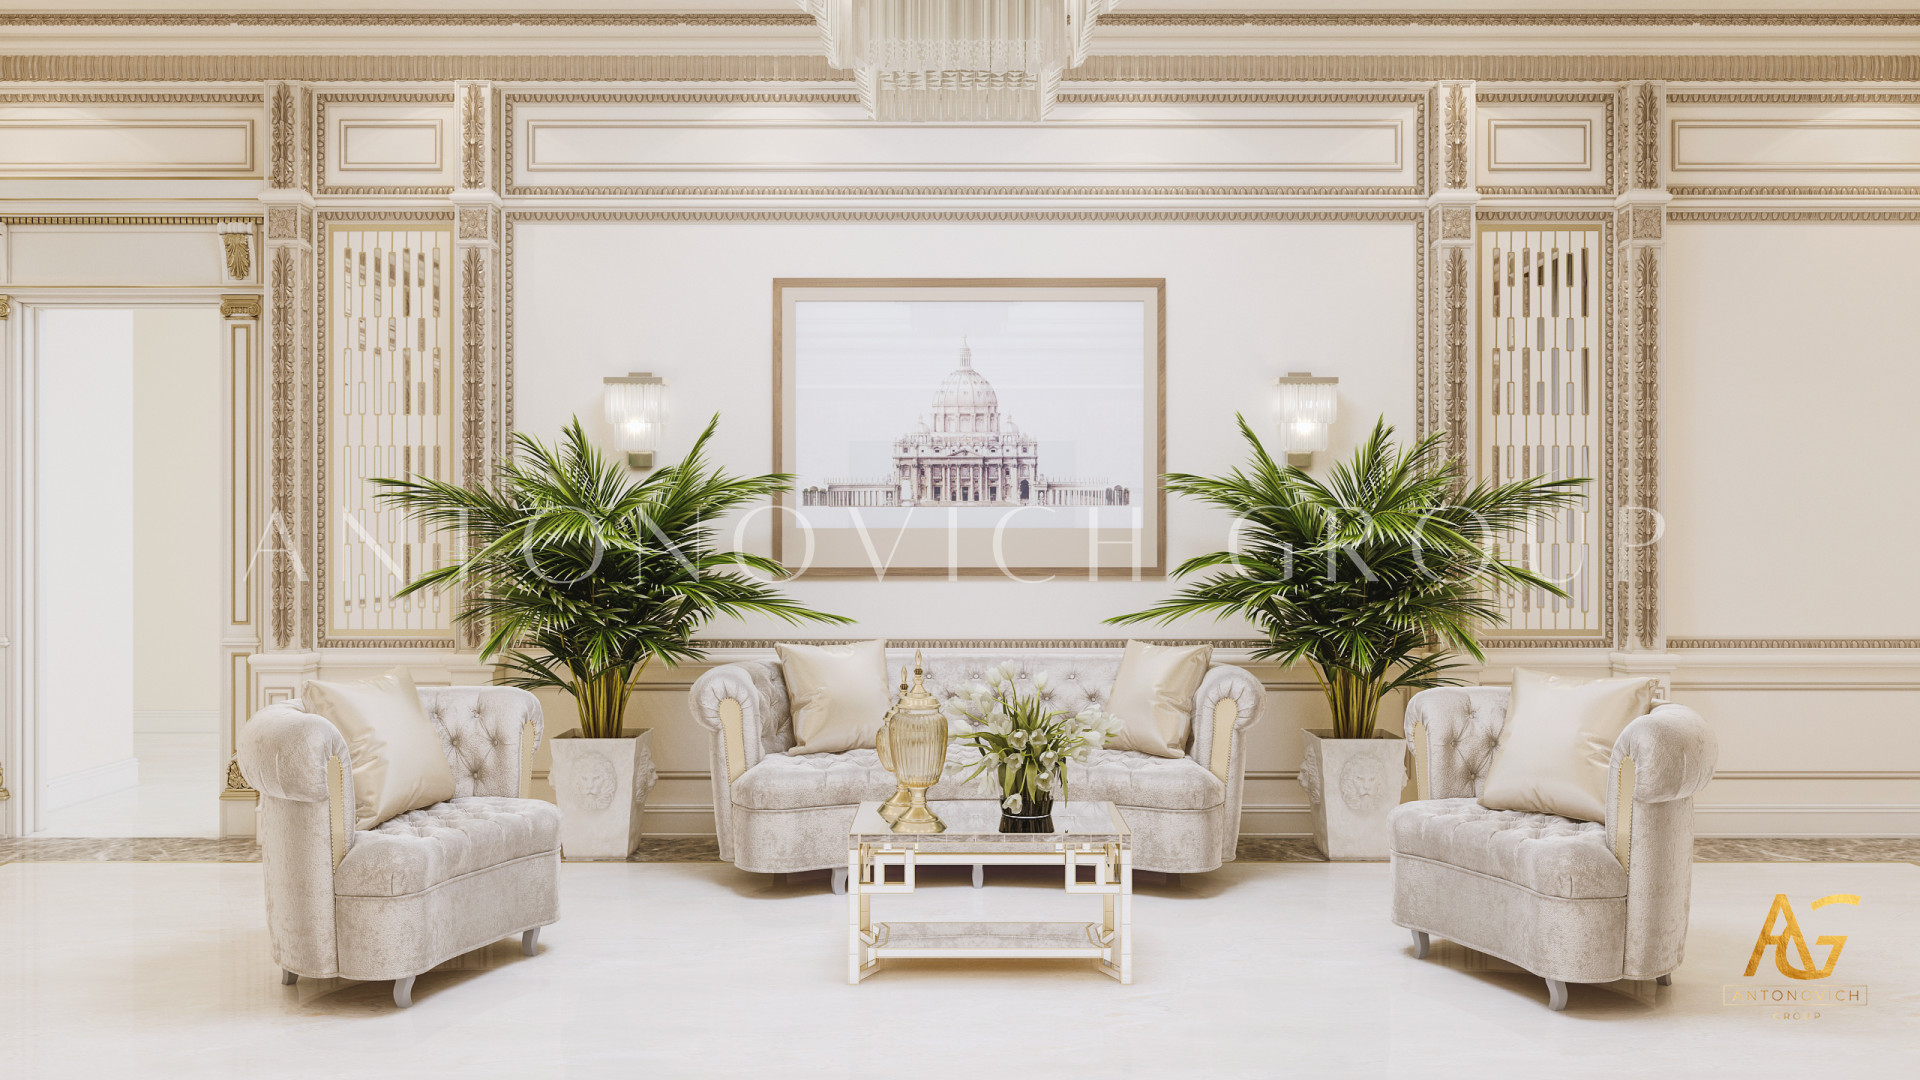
x=1304 y=407
x=636 y=408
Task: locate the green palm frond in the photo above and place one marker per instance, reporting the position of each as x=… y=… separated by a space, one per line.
x=580 y=575
x=1374 y=575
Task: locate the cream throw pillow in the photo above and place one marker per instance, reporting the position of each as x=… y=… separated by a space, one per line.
x=1558 y=741
x=837 y=694
x=397 y=761
x=1153 y=696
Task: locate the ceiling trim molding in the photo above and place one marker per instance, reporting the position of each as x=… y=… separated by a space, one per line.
x=1502 y=67
x=215 y=68
x=1414 y=68
x=1792 y=643
x=1382 y=20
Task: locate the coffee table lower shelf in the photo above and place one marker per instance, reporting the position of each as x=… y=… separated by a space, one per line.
x=989 y=940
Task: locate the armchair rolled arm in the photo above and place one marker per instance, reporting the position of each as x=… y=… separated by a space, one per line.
x=741 y=704
x=1673 y=753
x=284 y=752
x=1229 y=701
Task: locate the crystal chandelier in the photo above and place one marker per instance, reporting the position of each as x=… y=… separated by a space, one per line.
x=957 y=59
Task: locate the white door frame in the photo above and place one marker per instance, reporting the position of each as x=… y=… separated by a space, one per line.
x=20 y=617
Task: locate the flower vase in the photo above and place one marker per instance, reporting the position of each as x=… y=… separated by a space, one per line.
x=1035 y=816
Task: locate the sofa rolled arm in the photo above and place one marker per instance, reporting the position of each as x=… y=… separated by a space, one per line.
x=1229 y=701
x=740 y=703
x=284 y=752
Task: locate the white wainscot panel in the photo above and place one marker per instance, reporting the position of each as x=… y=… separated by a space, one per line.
x=401 y=146
x=168 y=255
x=1559 y=145
x=181 y=140
x=563 y=146
x=1792 y=147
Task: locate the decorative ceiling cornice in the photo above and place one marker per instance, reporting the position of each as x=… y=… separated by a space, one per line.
x=1336 y=20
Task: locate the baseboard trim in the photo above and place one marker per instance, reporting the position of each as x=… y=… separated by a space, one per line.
x=76 y=788
x=176 y=721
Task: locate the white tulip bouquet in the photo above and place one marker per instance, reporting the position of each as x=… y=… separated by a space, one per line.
x=1020 y=741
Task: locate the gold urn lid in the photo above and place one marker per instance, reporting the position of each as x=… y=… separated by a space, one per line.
x=917 y=699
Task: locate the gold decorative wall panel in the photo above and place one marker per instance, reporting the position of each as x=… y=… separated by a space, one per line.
x=1541 y=385
x=390 y=402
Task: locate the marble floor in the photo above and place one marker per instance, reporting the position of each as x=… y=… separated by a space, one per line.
x=179 y=776
x=694 y=969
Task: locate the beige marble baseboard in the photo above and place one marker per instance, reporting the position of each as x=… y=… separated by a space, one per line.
x=674 y=850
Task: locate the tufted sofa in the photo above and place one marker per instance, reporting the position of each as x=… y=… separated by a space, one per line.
x=418 y=889
x=775 y=813
x=1571 y=901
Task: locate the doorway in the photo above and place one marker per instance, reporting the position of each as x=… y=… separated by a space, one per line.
x=128 y=530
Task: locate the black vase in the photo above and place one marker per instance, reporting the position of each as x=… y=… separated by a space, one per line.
x=1036 y=816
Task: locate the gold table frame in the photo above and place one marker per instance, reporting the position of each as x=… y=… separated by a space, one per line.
x=1092 y=837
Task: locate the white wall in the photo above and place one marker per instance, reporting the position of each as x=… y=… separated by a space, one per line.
x=1792 y=373
x=86 y=552
x=177 y=413
x=692 y=301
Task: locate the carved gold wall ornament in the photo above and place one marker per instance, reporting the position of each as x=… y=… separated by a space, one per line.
x=473 y=137
x=236 y=786
x=1458 y=167
x=237 y=240
x=283 y=223
x=1646 y=120
x=241 y=306
x=4 y=794
x=6 y=307
x=284 y=117
x=283 y=437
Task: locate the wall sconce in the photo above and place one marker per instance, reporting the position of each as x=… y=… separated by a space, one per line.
x=1303 y=408
x=635 y=406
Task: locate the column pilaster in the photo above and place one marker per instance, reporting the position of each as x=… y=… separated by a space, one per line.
x=1640 y=209
x=1452 y=197
x=486 y=397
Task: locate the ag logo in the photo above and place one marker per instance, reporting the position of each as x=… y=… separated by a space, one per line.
x=1789 y=932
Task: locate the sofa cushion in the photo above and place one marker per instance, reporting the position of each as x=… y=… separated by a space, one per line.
x=1130 y=778
x=422 y=848
x=780 y=782
x=1551 y=855
x=783 y=782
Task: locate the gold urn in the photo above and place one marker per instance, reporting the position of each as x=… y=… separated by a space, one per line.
x=915 y=740
x=891 y=810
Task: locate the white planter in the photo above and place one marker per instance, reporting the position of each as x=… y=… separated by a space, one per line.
x=600 y=785
x=1352 y=784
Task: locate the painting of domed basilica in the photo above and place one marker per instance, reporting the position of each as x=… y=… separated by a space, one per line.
x=963 y=451
x=960 y=428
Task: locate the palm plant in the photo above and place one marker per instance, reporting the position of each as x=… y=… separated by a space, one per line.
x=582 y=576
x=1375 y=576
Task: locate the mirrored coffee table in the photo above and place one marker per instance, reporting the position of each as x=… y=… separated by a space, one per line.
x=1090 y=844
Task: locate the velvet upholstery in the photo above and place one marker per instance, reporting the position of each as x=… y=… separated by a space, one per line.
x=420 y=888
x=776 y=813
x=1548 y=893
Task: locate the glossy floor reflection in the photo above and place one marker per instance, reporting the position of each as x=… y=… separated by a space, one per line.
x=698 y=970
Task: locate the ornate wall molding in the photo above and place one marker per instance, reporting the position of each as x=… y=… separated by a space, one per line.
x=429 y=68
x=209 y=98
x=323 y=136
x=1436 y=67
x=241 y=306
x=1608 y=100
x=113 y=219
x=1793 y=215
x=1423 y=67
x=509 y=131
x=1792 y=643
x=1388 y=20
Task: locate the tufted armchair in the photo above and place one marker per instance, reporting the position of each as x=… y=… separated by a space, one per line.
x=1571 y=901
x=419 y=889
x=776 y=813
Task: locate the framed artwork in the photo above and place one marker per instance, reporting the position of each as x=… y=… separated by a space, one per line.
x=970 y=427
